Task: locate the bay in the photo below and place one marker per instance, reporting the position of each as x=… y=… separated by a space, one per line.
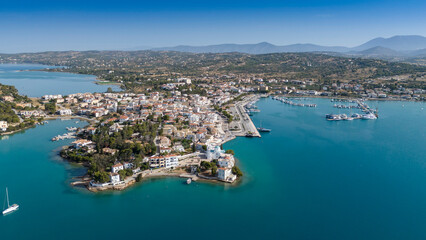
x=307 y=179
x=38 y=83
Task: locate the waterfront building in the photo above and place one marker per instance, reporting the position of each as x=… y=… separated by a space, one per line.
x=65 y=112
x=115 y=178
x=81 y=143
x=156 y=162
x=3 y=126
x=224 y=173
x=171 y=161
x=226 y=162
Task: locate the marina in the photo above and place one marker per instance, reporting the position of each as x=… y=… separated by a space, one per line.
x=369 y=114
x=69 y=135
x=292 y=103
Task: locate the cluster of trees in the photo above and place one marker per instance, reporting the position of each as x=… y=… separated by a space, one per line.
x=6 y=90
x=7 y=113
x=50 y=106
x=224 y=112
x=228 y=115
x=209 y=165
x=237 y=171
x=132 y=142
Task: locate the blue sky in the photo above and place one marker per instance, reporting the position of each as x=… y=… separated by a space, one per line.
x=27 y=26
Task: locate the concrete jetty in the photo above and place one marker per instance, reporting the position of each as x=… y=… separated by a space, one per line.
x=246 y=125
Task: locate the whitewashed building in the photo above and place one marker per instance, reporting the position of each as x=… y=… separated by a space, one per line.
x=117 y=167
x=224 y=173
x=171 y=161
x=65 y=112
x=115 y=178
x=226 y=162
x=3 y=126
x=213 y=152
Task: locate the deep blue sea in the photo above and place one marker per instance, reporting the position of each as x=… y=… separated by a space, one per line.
x=37 y=84
x=307 y=179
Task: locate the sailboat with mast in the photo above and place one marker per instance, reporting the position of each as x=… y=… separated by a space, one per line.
x=9 y=208
x=262 y=129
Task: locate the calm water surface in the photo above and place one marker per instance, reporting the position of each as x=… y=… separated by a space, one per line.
x=307 y=179
x=37 y=84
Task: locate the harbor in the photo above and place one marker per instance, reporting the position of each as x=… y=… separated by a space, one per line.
x=292 y=103
x=70 y=135
x=369 y=113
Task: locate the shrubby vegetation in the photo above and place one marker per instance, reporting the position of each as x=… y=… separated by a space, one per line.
x=132 y=142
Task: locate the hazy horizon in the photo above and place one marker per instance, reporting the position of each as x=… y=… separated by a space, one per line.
x=104 y=25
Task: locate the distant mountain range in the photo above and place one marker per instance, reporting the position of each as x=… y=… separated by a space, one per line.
x=397 y=46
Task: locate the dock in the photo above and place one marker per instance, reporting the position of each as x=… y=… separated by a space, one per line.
x=246 y=125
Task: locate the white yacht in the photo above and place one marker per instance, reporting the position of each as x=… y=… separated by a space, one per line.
x=9 y=208
x=369 y=116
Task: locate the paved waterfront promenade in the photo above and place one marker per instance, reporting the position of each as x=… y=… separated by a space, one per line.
x=244 y=122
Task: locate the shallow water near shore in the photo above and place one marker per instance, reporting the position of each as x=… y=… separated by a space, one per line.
x=307 y=179
x=38 y=83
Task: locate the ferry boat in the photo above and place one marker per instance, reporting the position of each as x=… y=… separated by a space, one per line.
x=9 y=208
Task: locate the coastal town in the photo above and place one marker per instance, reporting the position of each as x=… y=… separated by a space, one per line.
x=174 y=124
x=184 y=137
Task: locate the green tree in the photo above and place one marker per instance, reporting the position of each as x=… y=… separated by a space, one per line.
x=214 y=170
x=101 y=176
x=50 y=107
x=230 y=151
x=237 y=171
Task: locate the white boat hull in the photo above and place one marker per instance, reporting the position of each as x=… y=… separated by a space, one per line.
x=11 y=209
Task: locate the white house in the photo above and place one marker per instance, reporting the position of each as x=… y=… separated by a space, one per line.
x=165 y=150
x=81 y=143
x=3 y=126
x=117 y=167
x=213 y=152
x=128 y=165
x=65 y=112
x=224 y=173
x=115 y=178
x=227 y=162
x=171 y=161
x=178 y=148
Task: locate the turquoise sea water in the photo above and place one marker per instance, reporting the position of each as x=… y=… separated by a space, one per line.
x=37 y=84
x=307 y=179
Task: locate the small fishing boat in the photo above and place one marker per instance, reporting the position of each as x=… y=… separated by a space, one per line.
x=188 y=181
x=10 y=208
